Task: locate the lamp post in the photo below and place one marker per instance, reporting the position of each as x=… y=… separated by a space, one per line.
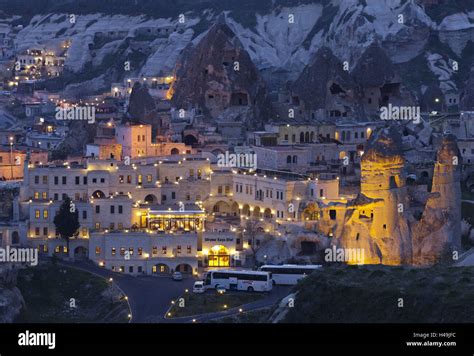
x=11 y=157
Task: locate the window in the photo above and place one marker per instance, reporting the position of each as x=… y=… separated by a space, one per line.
x=84 y=214
x=112 y=209
x=84 y=232
x=149 y=178
x=120 y=209
x=56 y=180
x=97 y=226
x=130 y=251
x=163 y=250
x=97 y=209
x=45 y=179
x=36 y=195
x=321 y=192
x=37 y=231
x=45 y=231
x=114 y=252
x=154 y=251
x=78 y=180
x=37 y=179
x=37 y=214
x=139 y=269
x=56 y=196
x=97 y=250
x=178 y=249
x=140 y=251
x=173 y=195
x=45 y=214
x=120 y=179
x=189 y=250
x=122 y=251
x=64 y=180
x=130 y=269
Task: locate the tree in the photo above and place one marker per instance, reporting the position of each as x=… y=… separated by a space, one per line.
x=67 y=220
x=251 y=233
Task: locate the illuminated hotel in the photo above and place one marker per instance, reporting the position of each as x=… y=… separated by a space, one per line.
x=160 y=214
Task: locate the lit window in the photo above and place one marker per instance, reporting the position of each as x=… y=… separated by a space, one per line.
x=45 y=214
x=37 y=214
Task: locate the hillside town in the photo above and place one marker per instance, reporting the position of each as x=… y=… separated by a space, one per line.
x=186 y=149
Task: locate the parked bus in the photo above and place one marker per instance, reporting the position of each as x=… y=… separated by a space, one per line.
x=251 y=281
x=288 y=274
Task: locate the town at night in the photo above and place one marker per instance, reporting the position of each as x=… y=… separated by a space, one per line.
x=270 y=171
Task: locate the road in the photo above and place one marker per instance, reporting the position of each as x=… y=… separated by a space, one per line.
x=150 y=297
x=277 y=293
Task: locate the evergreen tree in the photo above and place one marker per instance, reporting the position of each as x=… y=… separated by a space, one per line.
x=67 y=221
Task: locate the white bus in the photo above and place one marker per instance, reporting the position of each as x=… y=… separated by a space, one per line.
x=239 y=280
x=288 y=274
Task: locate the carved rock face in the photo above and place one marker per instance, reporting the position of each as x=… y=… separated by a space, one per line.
x=218 y=74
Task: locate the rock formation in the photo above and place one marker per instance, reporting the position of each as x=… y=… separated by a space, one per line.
x=439 y=231
x=217 y=74
x=11 y=300
x=324 y=82
x=381 y=222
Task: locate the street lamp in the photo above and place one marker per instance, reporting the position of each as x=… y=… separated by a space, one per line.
x=11 y=157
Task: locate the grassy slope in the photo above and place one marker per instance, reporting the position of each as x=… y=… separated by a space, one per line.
x=47 y=290
x=371 y=294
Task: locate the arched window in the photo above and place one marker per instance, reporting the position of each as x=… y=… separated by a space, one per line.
x=15 y=238
x=295 y=159
x=288 y=159
x=302 y=137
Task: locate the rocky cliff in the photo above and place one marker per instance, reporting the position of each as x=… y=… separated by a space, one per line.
x=281 y=37
x=11 y=300
x=218 y=73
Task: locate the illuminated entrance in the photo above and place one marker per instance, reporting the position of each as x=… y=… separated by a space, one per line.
x=219 y=257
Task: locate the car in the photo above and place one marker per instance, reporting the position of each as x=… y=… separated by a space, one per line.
x=198 y=287
x=177 y=276
x=220 y=290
